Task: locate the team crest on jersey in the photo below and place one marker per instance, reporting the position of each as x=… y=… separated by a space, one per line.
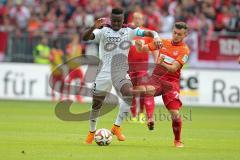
x=121 y=33
x=175 y=53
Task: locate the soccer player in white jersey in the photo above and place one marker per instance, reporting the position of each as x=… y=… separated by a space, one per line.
x=114 y=43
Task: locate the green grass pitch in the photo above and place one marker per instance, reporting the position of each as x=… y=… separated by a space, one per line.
x=30 y=130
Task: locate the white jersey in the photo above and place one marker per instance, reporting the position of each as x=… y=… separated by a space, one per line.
x=112 y=43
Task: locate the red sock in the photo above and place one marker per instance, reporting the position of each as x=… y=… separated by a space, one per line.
x=177 y=127
x=134 y=107
x=149 y=105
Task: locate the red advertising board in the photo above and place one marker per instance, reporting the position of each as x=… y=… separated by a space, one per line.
x=219 y=48
x=3 y=42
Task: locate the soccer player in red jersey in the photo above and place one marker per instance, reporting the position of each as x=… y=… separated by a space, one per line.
x=74 y=49
x=138 y=67
x=165 y=79
x=56 y=59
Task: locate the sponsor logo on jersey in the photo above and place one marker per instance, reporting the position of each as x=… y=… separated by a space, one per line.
x=113 y=39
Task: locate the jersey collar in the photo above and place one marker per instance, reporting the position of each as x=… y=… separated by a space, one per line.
x=177 y=44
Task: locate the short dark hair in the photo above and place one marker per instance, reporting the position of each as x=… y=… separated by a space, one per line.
x=181 y=25
x=117 y=11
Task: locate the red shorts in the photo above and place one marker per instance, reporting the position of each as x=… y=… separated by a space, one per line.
x=75 y=74
x=137 y=77
x=169 y=89
x=57 y=78
x=171 y=99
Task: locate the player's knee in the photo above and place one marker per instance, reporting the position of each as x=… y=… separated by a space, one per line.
x=173 y=108
x=126 y=90
x=175 y=115
x=97 y=103
x=150 y=90
x=141 y=89
x=174 y=105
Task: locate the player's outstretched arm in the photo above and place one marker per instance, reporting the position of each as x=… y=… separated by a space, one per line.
x=152 y=34
x=155 y=35
x=152 y=46
x=88 y=35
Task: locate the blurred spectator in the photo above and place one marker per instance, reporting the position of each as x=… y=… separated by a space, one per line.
x=34 y=24
x=234 y=22
x=6 y=25
x=207 y=7
x=20 y=15
x=74 y=50
x=41 y=52
x=205 y=29
x=58 y=17
x=222 y=19
x=192 y=20
x=49 y=22
x=168 y=21
x=56 y=59
x=153 y=20
x=32 y=18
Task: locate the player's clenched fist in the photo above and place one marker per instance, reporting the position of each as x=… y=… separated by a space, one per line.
x=158 y=43
x=99 y=23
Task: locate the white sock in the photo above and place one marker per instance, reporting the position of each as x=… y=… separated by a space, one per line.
x=124 y=109
x=93 y=119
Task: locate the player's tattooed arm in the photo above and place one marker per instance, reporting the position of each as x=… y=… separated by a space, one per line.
x=88 y=35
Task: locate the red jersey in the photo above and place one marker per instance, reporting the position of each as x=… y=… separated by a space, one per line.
x=135 y=56
x=172 y=52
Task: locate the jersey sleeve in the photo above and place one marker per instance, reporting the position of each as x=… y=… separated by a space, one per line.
x=183 y=56
x=135 y=32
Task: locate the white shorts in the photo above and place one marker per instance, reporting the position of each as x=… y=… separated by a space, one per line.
x=104 y=82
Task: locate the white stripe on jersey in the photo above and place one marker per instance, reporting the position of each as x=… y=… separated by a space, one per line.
x=168 y=59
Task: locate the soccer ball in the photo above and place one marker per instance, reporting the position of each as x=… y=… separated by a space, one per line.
x=103 y=137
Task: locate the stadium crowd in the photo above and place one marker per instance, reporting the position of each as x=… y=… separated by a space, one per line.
x=54 y=18
x=67 y=16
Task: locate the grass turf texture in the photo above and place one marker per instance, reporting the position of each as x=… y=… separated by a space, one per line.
x=30 y=130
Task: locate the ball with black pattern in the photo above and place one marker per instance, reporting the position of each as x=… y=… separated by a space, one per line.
x=103 y=137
